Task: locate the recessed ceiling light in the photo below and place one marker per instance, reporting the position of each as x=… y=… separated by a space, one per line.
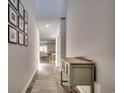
x=47 y=25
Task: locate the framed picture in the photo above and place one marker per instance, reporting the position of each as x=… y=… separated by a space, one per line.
x=21 y=9
x=26 y=17
x=21 y=24
x=26 y=40
x=13 y=16
x=14 y=3
x=26 y=28
x=12 y=34
x=20 y=38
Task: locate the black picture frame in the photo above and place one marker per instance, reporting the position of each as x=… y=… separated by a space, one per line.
x=26 y=40
x=14 y=3
x=26 y=16
x=12 y=35
x=12 y=16
x=20 y=23
x=21 y=9
x=20 y=38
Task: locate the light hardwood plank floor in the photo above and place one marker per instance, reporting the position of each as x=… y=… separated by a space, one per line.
x=48 y=80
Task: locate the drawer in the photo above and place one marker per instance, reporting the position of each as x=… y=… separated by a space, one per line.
x=81 y=76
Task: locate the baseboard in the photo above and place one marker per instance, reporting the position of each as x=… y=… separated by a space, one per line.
x=29 y=81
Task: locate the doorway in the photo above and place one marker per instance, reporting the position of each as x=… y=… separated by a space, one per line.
x=47 y=52
x=49 y=40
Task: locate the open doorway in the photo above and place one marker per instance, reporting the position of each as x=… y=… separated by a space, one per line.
x=52 y=40
x=49 y=43
x=47 y=51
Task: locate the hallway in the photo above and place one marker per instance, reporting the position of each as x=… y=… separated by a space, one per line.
x=59 y=29
x=48 y=80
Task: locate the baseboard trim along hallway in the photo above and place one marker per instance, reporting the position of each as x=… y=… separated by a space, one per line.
x=29 y=81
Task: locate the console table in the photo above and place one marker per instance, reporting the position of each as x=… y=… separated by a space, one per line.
x=77 y=72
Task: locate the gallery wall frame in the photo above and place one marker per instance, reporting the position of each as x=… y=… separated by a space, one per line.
x=20 y=38
x=26 y=40
x=20 y=23
x=21 y=9
x=12 y=16
x=12 y=34
x=17 y=23
x=14 y=3
x=26 y=28
x=26 y=16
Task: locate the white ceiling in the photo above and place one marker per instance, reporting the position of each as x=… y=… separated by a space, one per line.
x=48 y=12
x=50 y=8
x=47 y=33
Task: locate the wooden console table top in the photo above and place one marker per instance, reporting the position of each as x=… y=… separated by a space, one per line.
x=72 y=60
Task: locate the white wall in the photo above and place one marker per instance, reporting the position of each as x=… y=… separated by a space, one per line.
x=50 y=46
x=63 y=37
x=22 y=61
x=58 y=45
x=61 y=41
x=90 y=33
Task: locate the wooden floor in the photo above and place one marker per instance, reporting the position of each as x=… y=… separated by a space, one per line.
x=48 y=80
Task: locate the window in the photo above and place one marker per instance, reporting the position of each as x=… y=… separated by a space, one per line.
x=43 y=48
